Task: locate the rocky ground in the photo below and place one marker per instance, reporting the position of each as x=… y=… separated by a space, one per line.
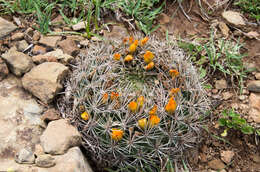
x=33 y=135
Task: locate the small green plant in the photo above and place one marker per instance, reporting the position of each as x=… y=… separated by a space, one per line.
x=250 y=6
x=233 y=120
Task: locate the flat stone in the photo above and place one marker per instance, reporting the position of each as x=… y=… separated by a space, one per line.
x=257 y=76
x=43 y=58
x=20 y=122
x=164 y=18
x=18 y=62
x=45 y=161
x=226 y=156
x=44 y=80
x=227 y=95
x=6 y=27
x=25 y=156
x=17 y=36
x=79 y=26
x=50 y=41
x=3 y=70
x=254 y=100
x=50 y=115
x=60 y=56
x=37 y=49
x=216 y=164
x=221 y=84
x=224 y=29
x=254 y=115
x=254 y=86
x=59 y=136
x=118 y=33
x=233 y=18
x=69 y=47
x=21 y=45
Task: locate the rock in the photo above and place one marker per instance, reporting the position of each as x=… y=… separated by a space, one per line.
x=216 y=164
x=45 y=161
x=226 y=156
x=254 y=115
x=221 y=84
x=18 y=63
x=37 y=49
x=227 y=95
x=17 y=21
x=254 y=100
x=233 y=18
x=21 y=45
x=250 y=66
x=164 y=19
x=254 y=86
x=242 y=97
x=36 y=36
x=25 y=156
x=50 y=115
x=38 y=150
x=20 y=123
x=43 y=58
x=118 y=33
x=214 y=91
x=17 y=36
x=29 y=31
x=69 y=47
x=84 y=42
x=3 y=70
x=257 y=76
x=59 y=136
x=79 y=26
x=224 y=29
x=50 y=41
x=6 y=27
x=60 y=56
x=44 y=80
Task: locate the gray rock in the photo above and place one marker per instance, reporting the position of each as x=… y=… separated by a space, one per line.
x=221 y=84
x=18 y=62
x=44 y=80
x=233 y=18
x=49 y=40
x=254 y=86
x=69 y=47
x=3 y=70
x=59 y=136
x=25 y=156
x=45 y=161
x=79 y=26
x=118 y=33
x=6 y=27
x=21 y=45
x=60 y=56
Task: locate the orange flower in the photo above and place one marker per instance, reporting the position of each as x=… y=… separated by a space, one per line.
x=133 y=106
x=132 y=48
x=148 y=57
x=142 y=123
x=85 y=116
x=174 y=72
x=125 y=40
x=149 y=66
x=117 y=134
x=174 y=91
x=128 y=58
x=114 y=95
x=171 y=106
x=140 y=101
x=105 y=98
x=131 y=40
x=117 y=56
x=154 y=120
x=144 y=41
x=136 y=42
x=153 y=111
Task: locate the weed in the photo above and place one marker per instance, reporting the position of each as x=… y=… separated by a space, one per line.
x=250 y=6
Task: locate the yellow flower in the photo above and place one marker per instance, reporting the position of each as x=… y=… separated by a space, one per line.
x=142 y=123
x=105 y=98
x=85 y=116
x=117 y=134
x=153 y=111
x=131 y=40
x=117 y=56
x=171 y=106
x=114 y=95
x=133 y=106
x=174 y=72
x=140 y=101
x=136 y=42
x=144 y=41
x=154 y=120
x=149 y=66
x=174 y=91
x=128 y=58
x=148 y=57
x=132 y=48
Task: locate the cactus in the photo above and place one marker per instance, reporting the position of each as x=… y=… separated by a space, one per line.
x=136 y=104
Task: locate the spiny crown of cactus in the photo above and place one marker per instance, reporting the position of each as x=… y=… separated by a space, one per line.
x=136 y=103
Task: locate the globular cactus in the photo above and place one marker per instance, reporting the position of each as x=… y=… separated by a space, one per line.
x=136 y=103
